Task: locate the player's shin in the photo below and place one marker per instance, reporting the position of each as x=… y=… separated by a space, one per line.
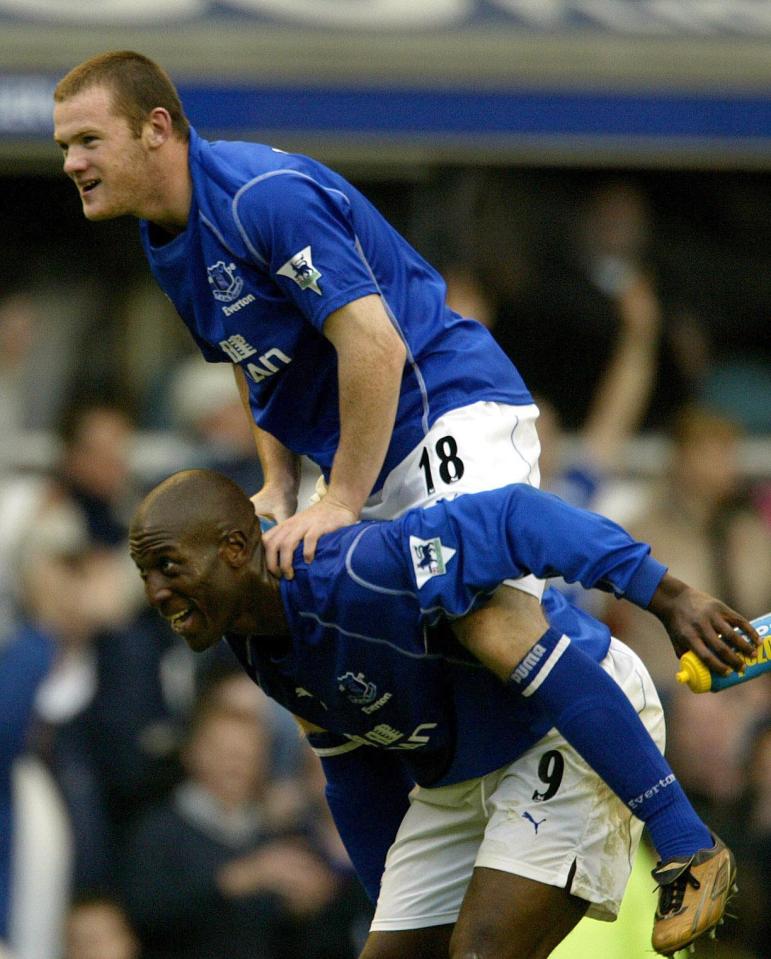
x=594 y=715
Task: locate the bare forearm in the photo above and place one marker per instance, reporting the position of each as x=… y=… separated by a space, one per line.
x=368 y=401
x=280 y=466
x=624 y=389
x=370 y=368
x=621 y=399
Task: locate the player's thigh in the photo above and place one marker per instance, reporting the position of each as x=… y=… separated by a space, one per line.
x=431 y=943
x=506 y=916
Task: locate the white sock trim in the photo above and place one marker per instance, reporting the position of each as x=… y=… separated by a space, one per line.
x=548 y=666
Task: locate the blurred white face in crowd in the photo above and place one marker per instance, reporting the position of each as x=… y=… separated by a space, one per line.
x=229 y=757
x=617 y=222
x=99 y=931
x=99 y=456
x=108 y=164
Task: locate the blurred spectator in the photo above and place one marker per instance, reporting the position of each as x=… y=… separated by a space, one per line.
x=206 y=875
x=95 y=466
x=708 y=744
x=18 y=319
x=52 y=623
x=25 y=658
x=224 y=684
x=621 y=396
x=616 y=407
x=94 y=471
x=341 y=928
x=98 y=928
x=54 y=564
x=111 y=712
x=561 y=329
x=702 y=522
x=39 y=327
x=108 y=732
x=294 y=799
x=620 y=392
x=207 y=408
x=117 y=753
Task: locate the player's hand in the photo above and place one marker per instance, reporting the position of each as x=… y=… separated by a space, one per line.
x=307 y=526
x=703 y=624
x=276 y=503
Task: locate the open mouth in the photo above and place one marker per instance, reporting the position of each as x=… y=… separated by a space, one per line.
x=89 y=185
x=180 y=620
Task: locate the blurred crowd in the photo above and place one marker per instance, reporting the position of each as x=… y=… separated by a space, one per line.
x=154 y=803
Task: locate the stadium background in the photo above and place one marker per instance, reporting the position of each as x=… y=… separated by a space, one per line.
x=478 y=126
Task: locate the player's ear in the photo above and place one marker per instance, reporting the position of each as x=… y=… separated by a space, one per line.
x=235 y=548
x=157 y=128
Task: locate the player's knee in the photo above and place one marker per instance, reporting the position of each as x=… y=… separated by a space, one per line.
x=491 y=942
x=479 y=942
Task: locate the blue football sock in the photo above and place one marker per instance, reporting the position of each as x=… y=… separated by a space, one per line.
x=594 y=715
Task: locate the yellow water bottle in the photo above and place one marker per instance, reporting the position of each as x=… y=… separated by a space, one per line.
x=695 y=674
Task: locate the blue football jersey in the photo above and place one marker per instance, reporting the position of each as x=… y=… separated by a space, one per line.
x=275 y=242
x=372 y=658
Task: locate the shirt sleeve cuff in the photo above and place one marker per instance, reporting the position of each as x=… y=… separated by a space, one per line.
x=645 y=581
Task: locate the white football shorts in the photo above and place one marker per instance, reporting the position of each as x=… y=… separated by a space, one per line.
x=542 y=817
x=473 y=448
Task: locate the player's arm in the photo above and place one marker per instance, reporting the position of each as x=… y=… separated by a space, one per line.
x=367 y=792
x=280 y=467
x=519 y=529
x=370 y=363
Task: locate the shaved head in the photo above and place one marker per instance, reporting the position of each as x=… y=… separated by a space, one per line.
x=197 y=503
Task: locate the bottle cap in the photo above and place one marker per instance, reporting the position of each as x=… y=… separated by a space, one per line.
x=694 y=673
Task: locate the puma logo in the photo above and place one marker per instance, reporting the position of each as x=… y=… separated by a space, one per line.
x=536 y=822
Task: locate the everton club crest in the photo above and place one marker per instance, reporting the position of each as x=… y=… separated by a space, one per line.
x=224 y=283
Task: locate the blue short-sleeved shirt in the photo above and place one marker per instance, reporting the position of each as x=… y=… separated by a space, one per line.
x=275 y=242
